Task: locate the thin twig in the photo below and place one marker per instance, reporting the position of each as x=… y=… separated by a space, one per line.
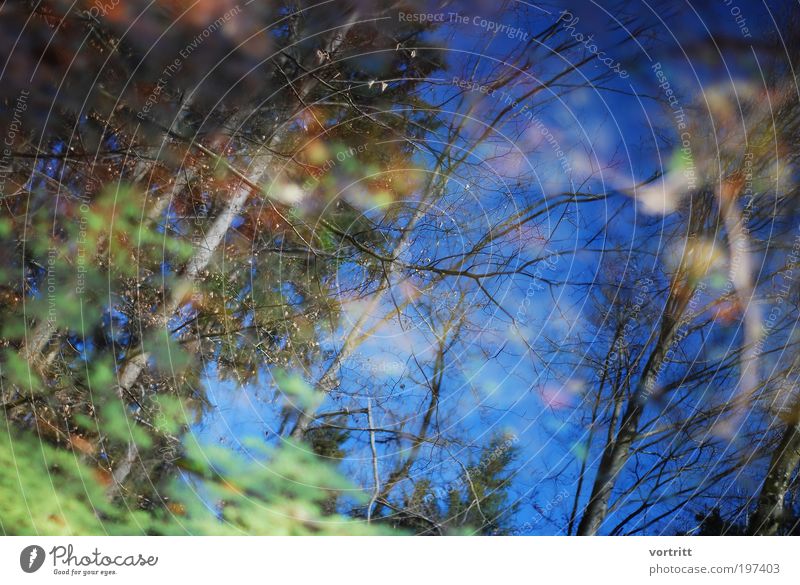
x=376 y=476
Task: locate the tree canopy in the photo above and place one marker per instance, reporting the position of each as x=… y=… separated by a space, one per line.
x=368 y=268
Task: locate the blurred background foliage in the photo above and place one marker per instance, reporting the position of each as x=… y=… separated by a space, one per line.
x=119 y=303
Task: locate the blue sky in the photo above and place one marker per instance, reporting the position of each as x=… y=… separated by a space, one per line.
x=613 y=136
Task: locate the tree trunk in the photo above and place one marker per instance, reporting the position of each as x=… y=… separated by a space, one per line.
x=617 y=452
x=769 y=512
x=132 y=369
x=615 y=456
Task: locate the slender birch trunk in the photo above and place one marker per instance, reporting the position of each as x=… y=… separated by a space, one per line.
x=617 y=451
x=133 y=368
x=770 y=510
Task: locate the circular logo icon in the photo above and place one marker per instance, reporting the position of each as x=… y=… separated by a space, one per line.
x=31 y=558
